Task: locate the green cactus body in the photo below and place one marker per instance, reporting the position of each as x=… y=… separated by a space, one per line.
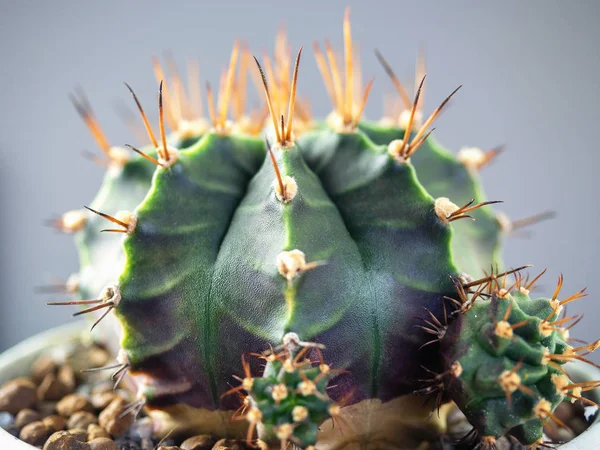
x=506 y=363
x=212 y=273
x=100 y=254
x=334 y=237
x=475 y=246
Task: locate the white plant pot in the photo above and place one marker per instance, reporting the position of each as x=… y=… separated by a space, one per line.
x=17 y=362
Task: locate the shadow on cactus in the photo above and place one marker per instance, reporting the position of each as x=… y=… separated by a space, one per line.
x=333 y=251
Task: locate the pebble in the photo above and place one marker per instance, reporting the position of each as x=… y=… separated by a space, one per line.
x=52 y=389
x=226 y=444
x=35 y=433
x=199 y=442
x=147 y=444
x=84 y=389
x=86 y=358
x=26 y=416
x=142 y=428
x=17 y=394
x=66 y=375
x=6 y=419
x=169 y=447
x=79 y=433
x=102 y=387
x=55 y=423
x=96 y=431
x=126 y=443
x=81 y=419
x=12 y=429
x=41 y=367
x=46 y=408
x=72 y=403
x=63 y=440
x=110 y=418
x=103 y=444
x=101 y=400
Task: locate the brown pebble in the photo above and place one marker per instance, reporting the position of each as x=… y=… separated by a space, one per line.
x=169 y=447
x=73 y=403
x=95 y=431
x=101 y=400
x=35 y=433
x=46 y=408
x=26 y=416
x=103 y=444
x=79 y=433
x=55 y=423
x=199 y=442
x=17 y=394
x=228 y=444
x=81 y=419
x=110 y=418
x=51 y=389
x=41 y=367
x=63 y=440
x=105 y=386
x=88 y=357
x=66 y=375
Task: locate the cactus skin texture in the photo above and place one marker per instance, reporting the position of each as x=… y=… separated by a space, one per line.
x=329 y=251
x=504 y=357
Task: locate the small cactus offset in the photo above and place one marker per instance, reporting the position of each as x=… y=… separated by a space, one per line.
x=330 y=257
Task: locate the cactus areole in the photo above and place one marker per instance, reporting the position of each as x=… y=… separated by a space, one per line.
x=272 y=274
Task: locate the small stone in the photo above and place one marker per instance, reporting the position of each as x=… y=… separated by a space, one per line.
x=81 y=419
x=105 y=386
x=88 y=357
x=101 y=400
x=46 y=408
x=169 y=447
x=84 y=389
x=147 y=444
x=51 y=389
x=141 y=429
x=126 y=443
x=26 y=416
x=103 y=444
x=41 y=367
x=95 y=431
x=73 y=403
x=55 y=423
x=6 y=419
x=17 y=394
x=227 y=444
x=199 y=442
x=35 y=433
x=110 y=418
x=13 y=430
x=79 y=433
x=66 y=375
x=63 y=440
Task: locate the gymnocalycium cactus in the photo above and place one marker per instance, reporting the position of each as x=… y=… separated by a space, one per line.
x=327 y=250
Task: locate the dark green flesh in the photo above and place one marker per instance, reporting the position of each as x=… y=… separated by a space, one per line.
x=470 y=340
x=200 y=284
x=475 y=245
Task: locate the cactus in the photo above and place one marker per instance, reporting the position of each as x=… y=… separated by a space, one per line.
x=328 y=250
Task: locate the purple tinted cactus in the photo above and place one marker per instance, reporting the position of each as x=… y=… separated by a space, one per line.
x=329 y=249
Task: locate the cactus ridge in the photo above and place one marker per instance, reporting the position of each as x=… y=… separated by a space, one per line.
x=228 y=237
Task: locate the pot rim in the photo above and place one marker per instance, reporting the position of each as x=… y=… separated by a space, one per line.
x=22 y=355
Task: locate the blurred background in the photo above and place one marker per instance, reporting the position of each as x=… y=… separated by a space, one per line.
x=529 y=69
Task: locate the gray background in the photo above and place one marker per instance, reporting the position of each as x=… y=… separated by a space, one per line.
x=530 y=72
